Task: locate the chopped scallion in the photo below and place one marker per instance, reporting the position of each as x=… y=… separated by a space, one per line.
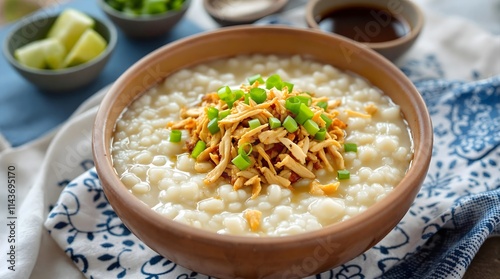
x=237 y=94
x=274 y=81
x=255 y=78
x=254 y=123
x=289 y=86
x=223 y=114
x=175 y=136
x=241 y=162
x=274 y=123
x=212 y=113
x=242 y=152
x=198 y=148
x=305 y=100
x=323 y=105
x=320 y=135
x=290 y=124
x=327 y=120
x=311 y=127
x=247 y=98
x=224 y=93
x=350 y=147
x=213 y=126
x=292 y=104
x=259 y=95
x=304 y=114
x=343 y=174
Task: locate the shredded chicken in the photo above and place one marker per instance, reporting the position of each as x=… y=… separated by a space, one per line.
x=253 y=218
x=272 y=156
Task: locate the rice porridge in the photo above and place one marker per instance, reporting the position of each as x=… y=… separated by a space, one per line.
x=298 y=146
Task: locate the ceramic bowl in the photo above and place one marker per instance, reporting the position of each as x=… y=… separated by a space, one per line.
x=144 y=26
x=241 y=12
x=227 y=256
x=405 y=9
x=35 y=28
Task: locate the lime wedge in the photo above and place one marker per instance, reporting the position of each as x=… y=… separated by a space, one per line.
x=42 y=54
x=69 y=26
x=54 y=53
x=89 y=46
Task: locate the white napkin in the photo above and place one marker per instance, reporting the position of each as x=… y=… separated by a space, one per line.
x=449 y=48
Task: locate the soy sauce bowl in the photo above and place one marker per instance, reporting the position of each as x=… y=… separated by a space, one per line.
x=381 y=12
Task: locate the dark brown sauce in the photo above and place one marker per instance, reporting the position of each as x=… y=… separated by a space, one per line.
x=364 y=24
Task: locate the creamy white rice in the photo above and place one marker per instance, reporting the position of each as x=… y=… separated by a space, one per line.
x=161 y=175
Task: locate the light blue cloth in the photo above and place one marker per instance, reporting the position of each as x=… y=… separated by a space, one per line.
x=26 y=113
x=457 y=208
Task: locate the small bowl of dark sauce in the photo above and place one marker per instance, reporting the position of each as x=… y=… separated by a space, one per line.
x=389 y=27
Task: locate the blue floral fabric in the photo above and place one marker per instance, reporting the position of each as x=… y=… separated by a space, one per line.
x=457 y=208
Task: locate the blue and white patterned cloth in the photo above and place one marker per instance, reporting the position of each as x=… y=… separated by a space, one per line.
x=65 y=227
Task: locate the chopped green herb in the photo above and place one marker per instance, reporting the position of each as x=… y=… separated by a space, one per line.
x=290 y=124
x=254 y=123
x=323 y=105
x=255 y=78
x=212 y=113
x=311 y=127
x=305 y=100
x=350 y=147
x=293 y=104
x=320 y=135
x=259 y=95
x=198 y=148
x=304 y=114
x=175 y=136
x=274 y=123
x=343 y=174
x=289 y=86
x=241 y=162
x=223 y=114
x=213 y=126
x=327 y=120
x=274 y=81
x=241 y=149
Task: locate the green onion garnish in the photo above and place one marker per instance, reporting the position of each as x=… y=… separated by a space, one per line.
x=255 y=78
x=323 y=105
x=304 y=114
x=175 y=136
x=290 y=124
x=224 y=93
x=292 y=104
x=237 y=94
x=198 y=148
x=223 y=114
x=241 y=162
x=242 y=152
x=327 y=120
x=247 y=98
x=213 y=126
x=274 y=123
x=254 y=123
x=289 y=86
x=321 y=134
x=350 y=147
x=259 y=95
x=212 y=113
x=306 y=100
x=343 y=174
x=274 y=81
x=311 y=127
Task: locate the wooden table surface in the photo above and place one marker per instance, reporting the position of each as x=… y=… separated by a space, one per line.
x=485 y=265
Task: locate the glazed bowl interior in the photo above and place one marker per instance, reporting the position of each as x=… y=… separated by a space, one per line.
x=237 y=256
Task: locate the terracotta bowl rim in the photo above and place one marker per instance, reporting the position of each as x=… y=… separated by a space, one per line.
x=412 y=35
x=411 y=180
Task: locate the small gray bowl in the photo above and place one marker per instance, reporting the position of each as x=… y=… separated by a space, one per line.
x=144 y=26
x=35 y=28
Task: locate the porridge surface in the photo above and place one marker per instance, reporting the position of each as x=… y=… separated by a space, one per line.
x=162 y=175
